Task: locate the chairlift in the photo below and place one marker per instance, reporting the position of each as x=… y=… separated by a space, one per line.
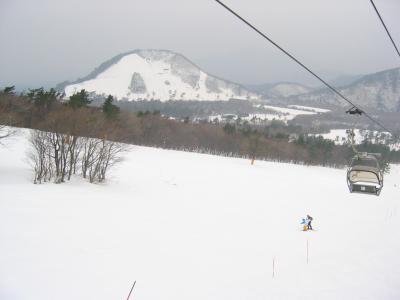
x=364 y=174
x=354 y=111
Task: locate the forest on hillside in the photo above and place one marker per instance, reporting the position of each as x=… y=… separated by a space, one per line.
x=48 y=111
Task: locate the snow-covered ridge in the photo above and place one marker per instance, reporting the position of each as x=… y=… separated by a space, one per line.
x=281 y=89
x=286 y=89
x=157 y=75
x=380 y=91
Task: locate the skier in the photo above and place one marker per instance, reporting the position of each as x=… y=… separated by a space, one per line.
x=304 y=222
x=309 y=220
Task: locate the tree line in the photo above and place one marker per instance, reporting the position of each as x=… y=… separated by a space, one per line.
x=68 y=140
x=73 y=128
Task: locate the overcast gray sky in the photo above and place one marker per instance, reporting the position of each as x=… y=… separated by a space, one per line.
x=44 y=42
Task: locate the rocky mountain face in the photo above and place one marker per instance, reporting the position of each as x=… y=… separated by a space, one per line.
x=156 y=75
x=378 y=91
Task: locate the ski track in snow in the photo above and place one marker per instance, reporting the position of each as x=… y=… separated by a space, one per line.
x=195 y=226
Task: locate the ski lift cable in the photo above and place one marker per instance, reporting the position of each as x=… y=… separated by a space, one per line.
x=384 y=25
x=301 y=64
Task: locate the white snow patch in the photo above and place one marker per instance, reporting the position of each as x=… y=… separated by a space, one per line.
x=290 y=111
x=310 y=108
x=339 y=136
x=269 y=117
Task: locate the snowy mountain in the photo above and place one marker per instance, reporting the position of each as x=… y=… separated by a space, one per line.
x=287 y=89
x=380 y=91
x=281 y=89
x=156 y=75
x=183 y=231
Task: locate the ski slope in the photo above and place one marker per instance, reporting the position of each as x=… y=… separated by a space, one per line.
x=192 y=226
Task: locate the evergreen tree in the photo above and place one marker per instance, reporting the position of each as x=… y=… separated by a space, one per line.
x=229 y=128
x=9 y=90
x=42 y=99
x=80 y=99
x=109 y=109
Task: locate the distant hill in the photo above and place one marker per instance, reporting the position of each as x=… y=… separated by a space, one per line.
x=344 y=80
x=156 y=75
x=379 y=91
x=281 y=89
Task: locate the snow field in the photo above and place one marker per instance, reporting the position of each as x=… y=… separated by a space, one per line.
x=192 y=226
x=282 y=114
x=340 y=136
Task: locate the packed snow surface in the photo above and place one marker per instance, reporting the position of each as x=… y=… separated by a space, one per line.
x=192 y=226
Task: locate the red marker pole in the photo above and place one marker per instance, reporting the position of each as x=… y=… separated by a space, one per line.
x=131 y=290
x=307 y=251
x=273 y=267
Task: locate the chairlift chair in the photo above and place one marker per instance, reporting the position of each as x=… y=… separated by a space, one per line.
x=364 y=174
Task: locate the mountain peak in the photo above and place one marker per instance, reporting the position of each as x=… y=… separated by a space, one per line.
x=150 y=74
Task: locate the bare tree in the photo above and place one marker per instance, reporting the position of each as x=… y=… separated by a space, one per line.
x=74 y=149
x=90 y=148
x=6 y=132
x=107 y=154
x=39 y=156
x=6 y=123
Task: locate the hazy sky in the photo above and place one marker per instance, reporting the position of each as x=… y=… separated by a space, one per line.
x=44 y=42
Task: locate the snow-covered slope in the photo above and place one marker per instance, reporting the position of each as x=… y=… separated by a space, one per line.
x=190 y=226
x=340 y=137
x=380 y=91
x=311 y=109
x=157 y=75
x=286 y=89
x=277 y=113
x=281 y=89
